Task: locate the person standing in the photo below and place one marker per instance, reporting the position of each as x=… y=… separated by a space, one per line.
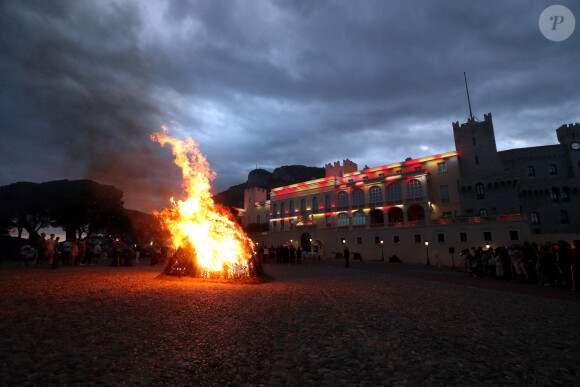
x=97 y=252
x=50 y=248
x=66 y=248
x=55 y=256
x=346 y=256
x=74 y=252
x=299 y=255
x=82 y=250
x=41 y=248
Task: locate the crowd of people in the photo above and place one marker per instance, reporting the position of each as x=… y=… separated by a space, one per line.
x=286 y=254
x=550 y=264
x=79 y=251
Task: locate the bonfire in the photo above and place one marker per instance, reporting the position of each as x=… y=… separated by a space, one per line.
x=207 y=240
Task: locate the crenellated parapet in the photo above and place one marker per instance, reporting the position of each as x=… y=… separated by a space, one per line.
x=339 y=170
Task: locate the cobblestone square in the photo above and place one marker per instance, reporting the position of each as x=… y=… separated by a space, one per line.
x=307 y=325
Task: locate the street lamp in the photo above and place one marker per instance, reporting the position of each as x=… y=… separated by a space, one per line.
x=427 y=249
x=382 y=250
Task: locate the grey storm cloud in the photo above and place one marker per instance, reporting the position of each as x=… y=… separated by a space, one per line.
x=267 y=83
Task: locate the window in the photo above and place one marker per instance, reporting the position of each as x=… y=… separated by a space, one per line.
x=417 y=238
x=275 y=210
x=530 y=171
x=328 y=220
x=377 y=240
x=473 y=140
x=343 y=219
x=554 y=194
x=281 y=225
x=442 y=167
x=396 y=239
x=480 y=191
x=565 y=194
x=359 y=240
x=375 y=194
x=282 y=208
x=414 y=189
x=399 y=172
x=291 y=205
x=487 y=236
x=476 y=160
x=552 y=170
x=483 y=212
x=274 y=225
x=535 y=218
x=394 y=192
x=463 y=237
x=359 y=219
x=418 y=168
x=358 y=196
x=514 y=235
x=327 y=202
x=441 y=237
x=342 y=199
x=564 y=217
x=444 y=193
x=315 y=203
x=303 y=205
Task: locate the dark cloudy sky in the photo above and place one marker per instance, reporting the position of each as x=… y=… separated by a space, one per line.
x=268 y=83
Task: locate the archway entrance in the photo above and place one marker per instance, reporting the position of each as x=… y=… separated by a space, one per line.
x=305 y=241
x=395 y=215
x=416 y=213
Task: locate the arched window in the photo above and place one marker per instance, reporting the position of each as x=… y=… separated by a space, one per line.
x=480 y=191
x=283 y=208
x=554 y=194
x=343 y=219
x=565 y=194
x=530 y=171
x=359 y=219
x=414 y=189
x=315 y=203
x=483 y=212
x=535 y=218
x=552 y=170
x=342 y=199
x=564 y=217
x=327 y=202
x=358 y=196
x=394 y=192
x=291 y=209
x=275 y=209
x=375 y=194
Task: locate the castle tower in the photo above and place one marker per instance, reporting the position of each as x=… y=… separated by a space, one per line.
x=253 y=195
x=475 y=143
x=569 y=138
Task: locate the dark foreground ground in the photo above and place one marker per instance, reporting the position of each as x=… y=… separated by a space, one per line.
x=310 y=325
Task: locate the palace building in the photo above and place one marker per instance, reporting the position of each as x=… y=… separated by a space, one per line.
x=431 y=207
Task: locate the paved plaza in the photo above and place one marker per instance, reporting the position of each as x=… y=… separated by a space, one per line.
x=313 y=324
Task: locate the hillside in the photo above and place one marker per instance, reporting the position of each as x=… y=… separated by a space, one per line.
x=285 y=175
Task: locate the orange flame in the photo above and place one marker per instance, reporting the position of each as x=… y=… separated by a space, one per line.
x=222 y=249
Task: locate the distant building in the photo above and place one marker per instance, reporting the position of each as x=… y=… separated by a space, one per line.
x=433 y=205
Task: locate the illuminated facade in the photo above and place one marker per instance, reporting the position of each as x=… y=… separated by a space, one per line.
x=465 y=198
